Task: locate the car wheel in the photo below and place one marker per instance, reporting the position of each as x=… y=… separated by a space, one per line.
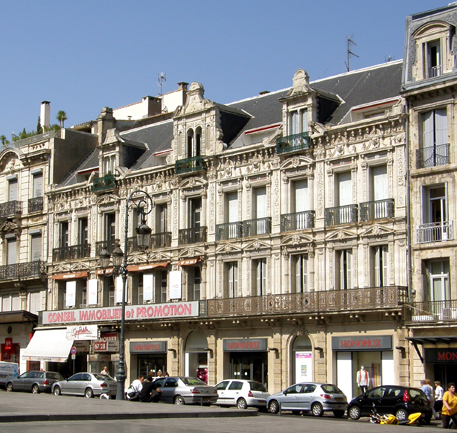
x=9 y=387
x=241 y=404
x=401 y=414
x=35 y=389
x=56 y=390
x=88 y=393
x=273 y=407
x=179 y=400
x=317 y=409
x=338 y=413
x=354 y=413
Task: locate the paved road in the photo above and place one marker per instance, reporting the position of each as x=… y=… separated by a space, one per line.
x=152 y=418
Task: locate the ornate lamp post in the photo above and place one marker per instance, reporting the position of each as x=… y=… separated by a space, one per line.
x=142 y=201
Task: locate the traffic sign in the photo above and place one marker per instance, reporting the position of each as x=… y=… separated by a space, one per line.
x=73 y=350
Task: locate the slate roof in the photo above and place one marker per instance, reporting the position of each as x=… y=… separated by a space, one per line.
x=352 y=89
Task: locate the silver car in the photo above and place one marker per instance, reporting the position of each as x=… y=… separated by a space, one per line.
x=86 y=384
x=242 y=393
x=315 y=397
x=33 y=381
x=186 y=390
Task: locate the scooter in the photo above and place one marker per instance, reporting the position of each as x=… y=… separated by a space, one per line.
x=376 y=418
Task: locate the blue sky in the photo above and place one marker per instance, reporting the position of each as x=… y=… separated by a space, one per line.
x=83 y=55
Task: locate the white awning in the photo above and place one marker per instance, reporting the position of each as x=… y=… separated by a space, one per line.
x=50 y=345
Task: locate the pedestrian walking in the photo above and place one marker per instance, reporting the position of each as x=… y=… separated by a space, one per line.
x=439 y=392
x=449 y=406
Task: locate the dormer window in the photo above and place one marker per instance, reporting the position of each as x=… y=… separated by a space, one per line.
x=298 y=121
x=433 y=59
x=194 y=142
x=109 y=164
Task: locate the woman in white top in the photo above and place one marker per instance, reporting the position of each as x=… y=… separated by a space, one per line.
x=439 y=392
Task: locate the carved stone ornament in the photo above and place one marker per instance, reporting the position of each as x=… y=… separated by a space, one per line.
x=300 y=84
x=195 y=100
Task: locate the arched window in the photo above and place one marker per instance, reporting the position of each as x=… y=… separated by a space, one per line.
x=190 y=143
x=198 y=137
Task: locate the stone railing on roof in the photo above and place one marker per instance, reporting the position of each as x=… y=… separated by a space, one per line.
x=34 y=139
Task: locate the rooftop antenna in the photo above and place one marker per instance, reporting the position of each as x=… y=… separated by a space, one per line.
x=162 y=79
x=350 y=53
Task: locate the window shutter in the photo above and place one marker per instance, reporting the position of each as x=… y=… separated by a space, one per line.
x=36 y=248
x=37 y=185
x=440 y=127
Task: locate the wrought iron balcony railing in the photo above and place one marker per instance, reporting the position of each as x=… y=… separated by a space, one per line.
x=297 y=221
x=109 y=245
x=192 y=235
x=331 y=301
x=104 y=183
x=434 y=71
x=292 y=143
x=434 y=232
x=256 y=227
x=228 y=231
x=22 y=270
x=375 y=210
x=71 y=253
x=189 y=165
x=160 y=240
x=341 y=215
x=431 y=312
x=432 y=156
x=10 y=209
x=35 y=204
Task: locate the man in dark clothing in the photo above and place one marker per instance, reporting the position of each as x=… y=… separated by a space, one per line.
x=150 y=392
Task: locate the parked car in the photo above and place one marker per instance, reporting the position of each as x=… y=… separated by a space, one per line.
x=391 y=399
x=242 y=393
x=33 y=381
x=315 y=397
x=86 y=384
x=186 y=390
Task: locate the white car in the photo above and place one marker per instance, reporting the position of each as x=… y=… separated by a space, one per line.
x=242 y=393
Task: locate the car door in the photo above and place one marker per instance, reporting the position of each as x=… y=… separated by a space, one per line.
x=373 y=396
x=290 y=400
x=22 y=381
x=70 y=386
x=233 y=392
x=85 y=382
x=392 y=396
x=222 y=392
x=305 y=398
x=168 y=386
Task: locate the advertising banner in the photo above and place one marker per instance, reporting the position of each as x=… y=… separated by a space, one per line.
x=303 y=367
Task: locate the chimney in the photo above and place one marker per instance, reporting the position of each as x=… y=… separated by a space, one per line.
x=105 y=121
x=182 y=86
x=45 y=114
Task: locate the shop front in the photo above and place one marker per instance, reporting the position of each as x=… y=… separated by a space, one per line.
x=196 y=356
x=146 y=356
x=363 y=362
x=104 y=353
x=442 y=364
x=248 y=358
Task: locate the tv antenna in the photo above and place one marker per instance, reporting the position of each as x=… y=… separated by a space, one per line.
x=350 y=53
x=162 y=79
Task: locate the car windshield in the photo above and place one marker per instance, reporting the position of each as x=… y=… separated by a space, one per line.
x=102 y=377
x=192 y=381
x=332 y=389
x=257 y=386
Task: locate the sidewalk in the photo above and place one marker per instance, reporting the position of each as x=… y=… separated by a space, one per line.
x=24 y=407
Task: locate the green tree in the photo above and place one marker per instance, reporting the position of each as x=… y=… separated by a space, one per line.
x=39 y=129
x=61 y=117
x=3 y=139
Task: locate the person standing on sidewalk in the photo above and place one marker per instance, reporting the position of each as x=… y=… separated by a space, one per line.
x=449 y=406
x=439 y=391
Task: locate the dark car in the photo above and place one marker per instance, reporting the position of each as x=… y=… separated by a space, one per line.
x=391 y=399
x=33 y=381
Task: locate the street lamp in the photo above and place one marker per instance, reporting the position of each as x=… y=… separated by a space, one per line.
x=141 y=200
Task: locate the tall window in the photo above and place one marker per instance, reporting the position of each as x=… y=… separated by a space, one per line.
x=161 y=218
x=111 y=292
x=300 y=273
x=231 y=214
x=37 y=185
x=379 y=266
x=35 y=241
x=434 y=138
x=343 y=198
x=11 y=250
x=161 y=287
x=260 y=277
x=63 y=234
x=231 y=280
x=12 y=190
x=260 y=211
x=109 y=164
x=436 y=226
x=194 y=283
x=110 y=227
x=433 y=59
x=82 y=231
x=436 y=285
x=195 y=209
x=344 y=274
x=298 y=122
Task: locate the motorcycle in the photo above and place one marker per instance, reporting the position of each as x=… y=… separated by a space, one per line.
x=376 y=418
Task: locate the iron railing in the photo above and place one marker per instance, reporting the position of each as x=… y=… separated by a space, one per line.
x=256 y=227
x=189 y=165
x=160 y=240
x=432 y=156
x=375 y=210
x=434 y=232
x=104 y=183
x=22 y=270
x=341 y=215
x=71 y=253
x=35 y=204
x=331 y=301
x=10 y=209
x=192 y=236
x=431 y=312
x=292 y=143
x=228 y=231
x=297 y=221
x=434 y=71
x=108 y=245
